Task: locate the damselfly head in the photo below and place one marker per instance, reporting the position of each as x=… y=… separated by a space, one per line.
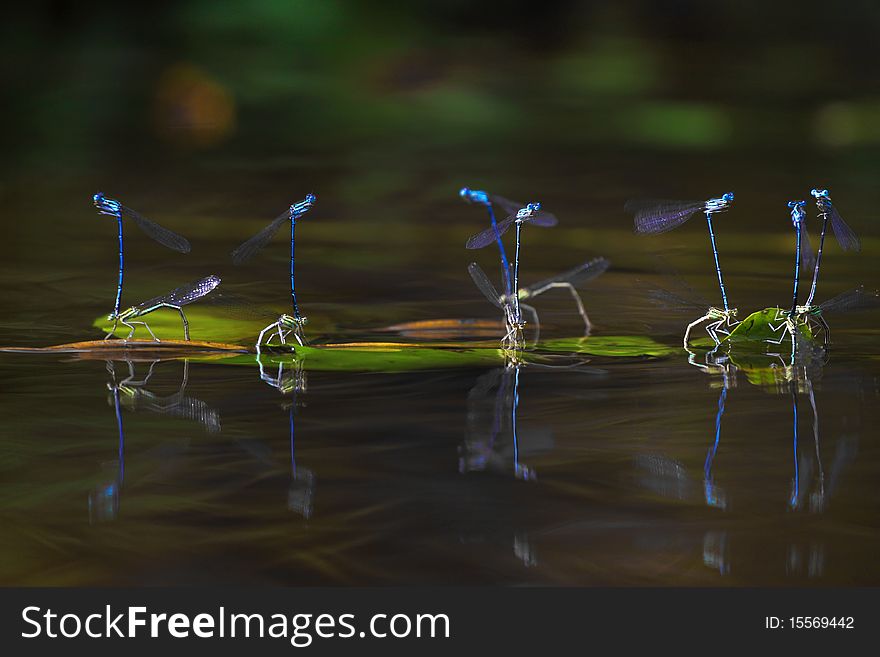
x=528 y=211
x=465 y=193
x=106 y=205
x=820 y=193
x=303 y=206
x=728 y=197
x=797 y=212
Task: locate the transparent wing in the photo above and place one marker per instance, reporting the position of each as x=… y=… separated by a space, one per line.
x=808 y=258
x=576 y=276
x=652 y=216
x=162 y=235
x=540 y=218
x=486 y=237
x=543 y=219
x=184 y=294
x=240 y=307
x=677 y=302
x=851 y=301
x=484 y=284
x=845 y=235
x=246 y=251
x=677 y=293
x=509 y=207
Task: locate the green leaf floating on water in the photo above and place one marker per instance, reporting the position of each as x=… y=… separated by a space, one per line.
x=372 y=359
x=610 y=345
x=759 y=327
x=206 y=323
x=208 y=326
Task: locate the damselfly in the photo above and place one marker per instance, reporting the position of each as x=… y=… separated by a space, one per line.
x=531 y=213
x=659 y=216
x=294 y=381
x=569 y=280
x=245 y=251
x=113 y=208
x=489 y=201
x=798 y=219
x=855 y=300
x=504 y=303
x=718 y=321
x=482 y=449
x=845 y=235
x=518 y=214
x=136 y=397
x=175 y=300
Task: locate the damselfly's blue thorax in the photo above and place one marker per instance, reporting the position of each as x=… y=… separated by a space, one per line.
x=798 y=213
x=823 y=199
x=714 y=205
x=300 y=208
x=474 y=195
x=107 y=206
x=528 y=212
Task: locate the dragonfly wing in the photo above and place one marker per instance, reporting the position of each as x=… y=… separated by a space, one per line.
x=808 y=258
x=672 y=301
x=845 y=235
x=484 y=284
x=509 y=207
x=239 y=307
x=486 y=237
x=543 y=219
x=576 y=276
x=851 y=301
x=162 y=235
x=185 y=294
x=246 y=251
x=658 y=216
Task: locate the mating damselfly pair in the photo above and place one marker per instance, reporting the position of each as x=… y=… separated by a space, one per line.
x=653 y=217
x=283 y=326
x=510 y=302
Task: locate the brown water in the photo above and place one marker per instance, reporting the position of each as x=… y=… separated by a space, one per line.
x=400 y=478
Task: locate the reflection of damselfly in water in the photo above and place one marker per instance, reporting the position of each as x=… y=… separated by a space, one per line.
x=131 y=394
x=174 y=300
x=568 y=280
x=809 y=478
x=301 y=491
x=484 y=449
x=135 y=397
x=290 y=381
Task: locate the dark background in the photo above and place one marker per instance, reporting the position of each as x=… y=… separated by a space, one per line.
x=211 y=116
